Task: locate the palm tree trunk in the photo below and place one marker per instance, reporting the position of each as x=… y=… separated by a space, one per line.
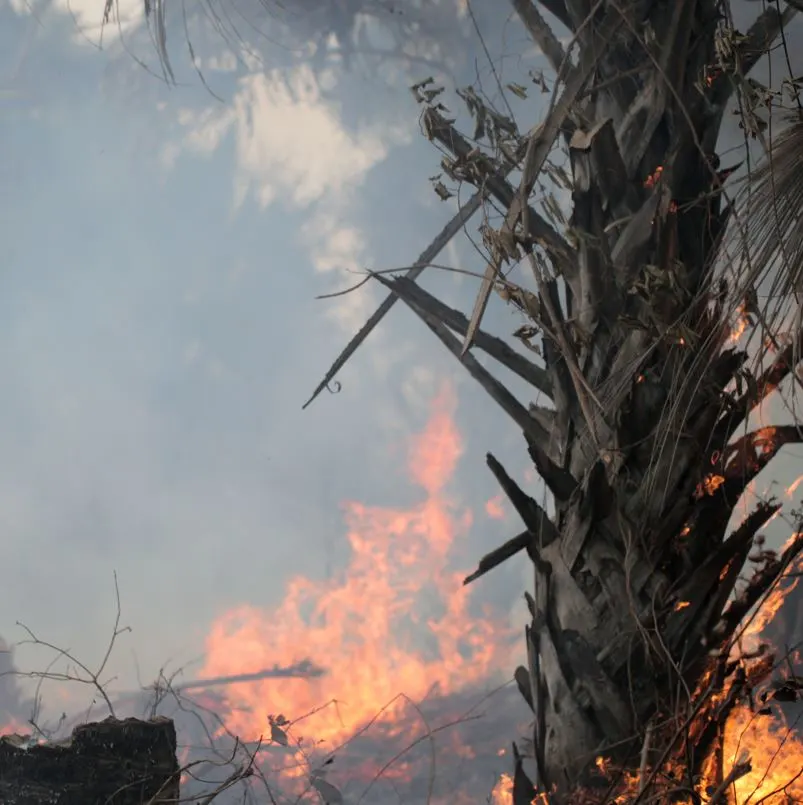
x=633 y=574
x=643 y=445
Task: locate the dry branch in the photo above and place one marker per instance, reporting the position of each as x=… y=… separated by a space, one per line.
x=542 y=34
x=425 y=259
x=495 y=184
x=495 y=558
x=498 y=349
x=532 y=515
x=512 y=407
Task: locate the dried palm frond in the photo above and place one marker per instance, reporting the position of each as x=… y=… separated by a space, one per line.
x=772 y=210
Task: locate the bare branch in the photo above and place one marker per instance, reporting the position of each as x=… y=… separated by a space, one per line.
x=495 y=347
x=425 y=258
x=517 y=412
x=558 y=9
x=532 y=515
x=499 y=555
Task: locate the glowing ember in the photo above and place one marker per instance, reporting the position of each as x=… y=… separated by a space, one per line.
x=765 y=439
x=603 y=764
x=709 y=485
x=365 y=626
x=654 y=177
x=740 y=326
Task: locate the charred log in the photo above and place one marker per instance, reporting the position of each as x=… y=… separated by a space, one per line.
x=129 y=762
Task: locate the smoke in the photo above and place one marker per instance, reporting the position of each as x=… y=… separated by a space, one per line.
x=785 y=631
x=15 y=707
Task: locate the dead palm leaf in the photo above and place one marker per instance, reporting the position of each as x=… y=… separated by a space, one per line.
x=772 y=205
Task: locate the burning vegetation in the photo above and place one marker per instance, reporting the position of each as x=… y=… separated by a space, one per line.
x=359 y=719
x=375 y=679
x=660 y=337
x=364 y=626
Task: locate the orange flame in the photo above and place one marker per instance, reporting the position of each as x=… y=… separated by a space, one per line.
x=502 y=793
x=494 y=507
x=740 y=326
x=14 y=726
x=603 y=764
x=183 y=757
x=775 y=754
x=709 y=485
x=794 y=485
x=764 y=738
x=363 y=627
x=774 y=751
x=354 y=627
x=772 y=604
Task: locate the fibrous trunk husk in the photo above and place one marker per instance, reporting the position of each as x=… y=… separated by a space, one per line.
x=633 y=615
x=635 y=573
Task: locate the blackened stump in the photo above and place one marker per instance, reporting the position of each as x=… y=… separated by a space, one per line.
x=129 y=762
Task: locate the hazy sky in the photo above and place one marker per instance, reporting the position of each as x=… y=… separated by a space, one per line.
x=159 y=332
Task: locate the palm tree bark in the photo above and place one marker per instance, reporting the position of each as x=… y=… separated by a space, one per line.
x=643 y=444
x=634 y=573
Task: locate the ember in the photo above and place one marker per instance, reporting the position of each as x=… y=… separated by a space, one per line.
x=709 y=485
x=741 y=325
x=654 y=177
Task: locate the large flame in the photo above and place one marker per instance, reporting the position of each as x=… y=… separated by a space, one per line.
x=773 y=746
x=766 y=736
x=392 y=628
x=775 y=752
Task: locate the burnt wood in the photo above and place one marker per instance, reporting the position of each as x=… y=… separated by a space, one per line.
x=128 y=762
